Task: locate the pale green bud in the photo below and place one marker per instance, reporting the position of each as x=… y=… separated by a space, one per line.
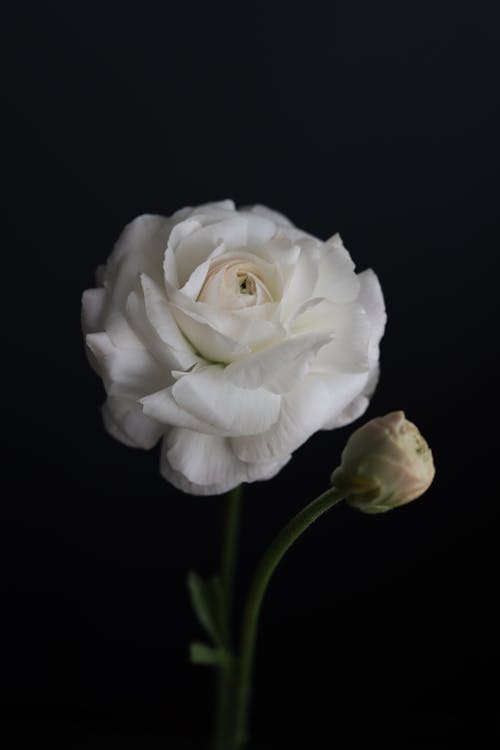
x=385 y=463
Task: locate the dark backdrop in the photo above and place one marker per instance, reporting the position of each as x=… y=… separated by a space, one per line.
x=378 y=120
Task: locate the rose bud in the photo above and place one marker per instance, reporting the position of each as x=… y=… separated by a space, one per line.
x=385 y=463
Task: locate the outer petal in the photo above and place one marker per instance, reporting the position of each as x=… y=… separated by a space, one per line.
x=163 y=322
x=317 y=399
x=202 y=459
x=166 y=357
x=163 y=407
x=372 y=299
x=139 y=249
x=177 y=479
x=268 y=213
x=130 y=373
x=216 y=208
x=181 y=230
x=206 y=465
x=210 y=397
x=93 y=302
x=124 y=421
x=350 y=328
x=336 y=278
x=121 y=332
x=357 y=406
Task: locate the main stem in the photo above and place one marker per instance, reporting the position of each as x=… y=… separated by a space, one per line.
x=224 y=679
x=265 y=570
x=229 y=548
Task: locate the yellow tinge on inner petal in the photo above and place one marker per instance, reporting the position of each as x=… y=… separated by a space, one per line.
x=246 y=283
x=234 y=284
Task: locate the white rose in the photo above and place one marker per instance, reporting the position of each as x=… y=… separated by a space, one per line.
x=232 y=335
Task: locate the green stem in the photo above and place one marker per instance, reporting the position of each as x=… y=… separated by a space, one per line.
x=267 y=566
x=225 y=679
x=229 y=548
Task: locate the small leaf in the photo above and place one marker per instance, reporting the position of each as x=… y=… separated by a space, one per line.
x=200 y=653
x=207 y=601
x=216 y=596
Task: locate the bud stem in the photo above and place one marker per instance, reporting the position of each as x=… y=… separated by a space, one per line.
x=265 y=570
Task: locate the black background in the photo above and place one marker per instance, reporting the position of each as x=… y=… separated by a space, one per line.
x=378 y=120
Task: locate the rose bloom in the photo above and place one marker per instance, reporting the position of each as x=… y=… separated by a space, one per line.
x=233 y=336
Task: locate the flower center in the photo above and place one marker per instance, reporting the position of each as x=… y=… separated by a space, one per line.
x=233 y=284
x=246 y=283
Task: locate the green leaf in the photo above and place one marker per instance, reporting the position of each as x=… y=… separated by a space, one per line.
x=200 y=653
x=207 y=599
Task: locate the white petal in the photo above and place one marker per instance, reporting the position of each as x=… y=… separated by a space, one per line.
x=283 y=225
x=249 y=330
x=317 y=399
x=195 y=248
x=372 y=299
x=336 y=278
x=164 y=323
x=209 y=396
x=125 y=422
x=163 y=407
x=300 y=284
x=178 y=233
x=353 y=411
x=139 y=249
x=279 y=250
x=121 y=332
x=95 y=319
x=221 y=335
x=206 y=465
x=268 y=213
x=93 y=302
x=167 y=358
x=179 y=481
x=217 y=208
x=226 y=205
x=170 y=267
x=350 y=327
x=130 y=373
x=357 y=406
x=278 y=368
x=239 y=231
x=268 y=311
x=266 y=469
x=259 y=231
x=194 y=284
x=210 y=343
x=181 y=230
x=202 y=459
